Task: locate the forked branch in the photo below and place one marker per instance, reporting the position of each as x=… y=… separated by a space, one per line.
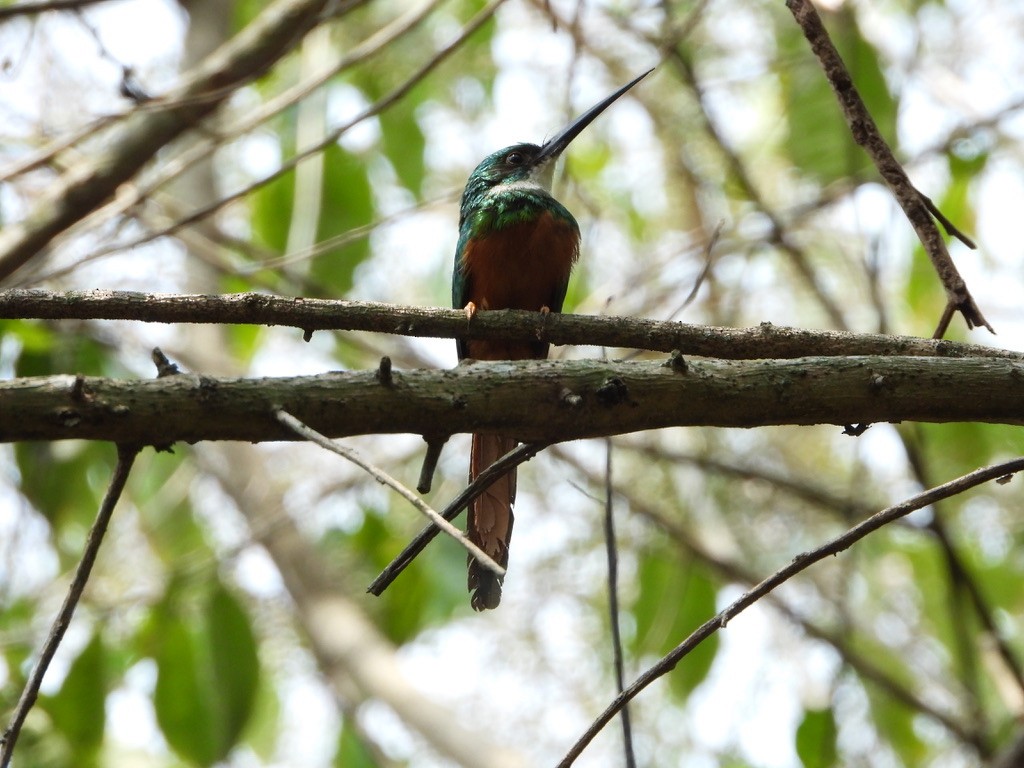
x=916 y=206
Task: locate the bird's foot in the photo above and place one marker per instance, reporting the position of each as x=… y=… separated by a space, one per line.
x=545 y=311
x=470 y=310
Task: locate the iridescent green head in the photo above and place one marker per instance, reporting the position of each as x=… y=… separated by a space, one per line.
x=529 y=166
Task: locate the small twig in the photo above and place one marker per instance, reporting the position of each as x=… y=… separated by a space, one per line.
x=125 y=458
x=384 y=478
x=164 y=367
x=129 y=86
x=483 y=481
x=950 y=227
x=709 y=249
x=799 y=563
x=611 y=549
x=947 y=315
x=430 y=459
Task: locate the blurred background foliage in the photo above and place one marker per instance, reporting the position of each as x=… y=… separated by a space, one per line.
x=191 y=647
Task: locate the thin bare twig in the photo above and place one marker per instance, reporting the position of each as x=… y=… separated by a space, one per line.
x=502 y=466
x=709 y=259
x=611 y=550
x=384 y=478
x=125 y=458
x=800 y=562
x=853 y=654
x=435 y=444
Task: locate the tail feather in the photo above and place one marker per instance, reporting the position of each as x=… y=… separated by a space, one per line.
x=490 y=519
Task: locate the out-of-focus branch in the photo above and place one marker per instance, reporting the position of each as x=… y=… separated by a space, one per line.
x=778 y=235
x=88 y=184
x=299 y=94
x=330 y=138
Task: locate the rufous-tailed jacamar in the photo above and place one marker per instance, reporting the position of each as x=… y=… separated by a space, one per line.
x=517 y=245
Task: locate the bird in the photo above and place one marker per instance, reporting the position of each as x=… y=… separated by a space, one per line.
x=517 y=245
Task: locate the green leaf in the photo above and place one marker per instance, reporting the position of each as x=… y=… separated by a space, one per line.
x=84 y=470
x=347 y=204
x=924 y=297
x=895 y=723
x=352 y=753
x=261 y=732
x=675 y=598
x=819 y=140
x=208 y=673
x=404 y=143
x=816 y=739
x=77 y=709
x=185 y=710
x=235 y=663
x=16 y=627
x=160 y=485
x=957 y=448
x=435 y=587
x=271 y=212
x=955 y=203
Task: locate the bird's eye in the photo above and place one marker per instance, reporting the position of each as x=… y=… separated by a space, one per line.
x=514 y=158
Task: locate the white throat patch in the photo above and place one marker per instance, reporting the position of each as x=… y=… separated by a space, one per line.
x=539 y=180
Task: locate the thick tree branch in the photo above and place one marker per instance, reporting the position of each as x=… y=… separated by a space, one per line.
x=542 y=401
x=765 y=341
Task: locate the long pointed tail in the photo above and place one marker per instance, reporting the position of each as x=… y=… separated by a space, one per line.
x=490 y=519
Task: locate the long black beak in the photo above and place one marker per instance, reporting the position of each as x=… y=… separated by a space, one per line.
x=553 y=147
